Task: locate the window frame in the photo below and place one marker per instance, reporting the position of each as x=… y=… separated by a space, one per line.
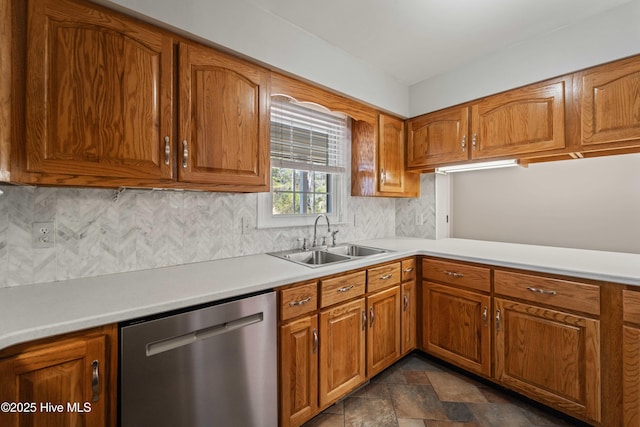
x=340 y=183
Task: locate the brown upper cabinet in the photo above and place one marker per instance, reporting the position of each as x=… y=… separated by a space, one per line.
x=609 y=97
x=438 y=138
x=224 y=119
x=100 y=102
x=520 y=122
x=98 y=94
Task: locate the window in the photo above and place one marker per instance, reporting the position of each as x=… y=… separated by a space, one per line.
x=308 y=173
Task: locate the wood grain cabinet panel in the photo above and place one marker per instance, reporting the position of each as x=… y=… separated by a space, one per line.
x=609 y=105
x=550 y=355
x=520 y=121
x=383 y=333
x=631 y=358
x=457 y=327
x=342 y=350
x=378 y=159
x=78 y=368
x=298 y=371
x=224 y=119
x=393 y=176
x=438 y=138
x=98 y=94
x=409 y=316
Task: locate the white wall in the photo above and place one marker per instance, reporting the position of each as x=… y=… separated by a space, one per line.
x=603 y=38
x=584 y=203
x=258 y=34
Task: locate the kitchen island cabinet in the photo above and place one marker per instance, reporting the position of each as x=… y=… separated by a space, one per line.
x=77 y=371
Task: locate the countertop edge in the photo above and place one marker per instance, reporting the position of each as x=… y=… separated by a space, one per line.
x=400 y=247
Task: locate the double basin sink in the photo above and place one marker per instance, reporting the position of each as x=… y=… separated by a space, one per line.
x=317 y=257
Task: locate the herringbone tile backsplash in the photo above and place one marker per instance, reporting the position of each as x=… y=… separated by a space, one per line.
x=96 y=235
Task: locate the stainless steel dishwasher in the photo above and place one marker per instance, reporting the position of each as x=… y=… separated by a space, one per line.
x=214 y=366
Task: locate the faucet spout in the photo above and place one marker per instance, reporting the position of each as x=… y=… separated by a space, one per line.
x=315 y=228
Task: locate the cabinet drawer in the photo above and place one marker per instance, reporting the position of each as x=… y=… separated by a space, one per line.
x=408 y=269
x=631 y=306
x=298 y=300
x=342 y=288
x=383 y=277
x=455 y=273
x=545 y=290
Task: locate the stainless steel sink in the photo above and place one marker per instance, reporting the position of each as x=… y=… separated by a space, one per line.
x=355 y=250
x=317 y=257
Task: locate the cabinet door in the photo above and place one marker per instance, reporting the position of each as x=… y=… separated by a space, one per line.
x=342 y=350
x=457 y=326
x=409 y=316
x=609 y=104
x=224 y=120
x=438 y=138
x=631 y=375
x=98 y=94
x=71 y=374
x=299 y=371
x=550 y=355
x=383 y=336
x=391 y=154
x=520 y=121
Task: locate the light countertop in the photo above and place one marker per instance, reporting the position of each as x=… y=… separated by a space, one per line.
x=30 y=312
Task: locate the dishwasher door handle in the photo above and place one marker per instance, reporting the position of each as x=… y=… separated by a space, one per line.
x=177 y=341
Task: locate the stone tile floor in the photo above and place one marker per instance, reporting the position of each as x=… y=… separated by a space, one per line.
x=419 y=392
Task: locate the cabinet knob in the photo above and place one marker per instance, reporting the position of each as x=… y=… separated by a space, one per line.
x=498 y=319
x=406 y=302
x=382 y=176
x=464 y=143
x=474 y=140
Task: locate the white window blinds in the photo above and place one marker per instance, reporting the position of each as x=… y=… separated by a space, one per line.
x=306 y=138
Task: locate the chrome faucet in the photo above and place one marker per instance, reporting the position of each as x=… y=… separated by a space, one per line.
x=315 y=228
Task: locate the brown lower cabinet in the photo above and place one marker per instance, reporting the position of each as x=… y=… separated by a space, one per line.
x=339 y=331
x=532 y=333
x=342 y=350
x=77 y=371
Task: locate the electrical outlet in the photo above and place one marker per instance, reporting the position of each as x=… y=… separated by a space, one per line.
x=419 y=219
x=43 y=234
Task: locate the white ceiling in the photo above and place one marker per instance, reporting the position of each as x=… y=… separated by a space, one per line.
x=413 y=40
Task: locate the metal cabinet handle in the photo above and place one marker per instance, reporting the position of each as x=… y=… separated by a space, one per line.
x=498 y=319
x=167 y=150
x=464 y=143
x=185 y=154
x=474 y=140
x=301 y=302
x=382 y=175
x=345 y=289
x=406 y=302
x=386 y=277
x=485 y=317
x=408 y=270
x=453 y=274
x=372 y=317
x=542 y=291
x=364 y=320
x=95 y=381
x=315 y=340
